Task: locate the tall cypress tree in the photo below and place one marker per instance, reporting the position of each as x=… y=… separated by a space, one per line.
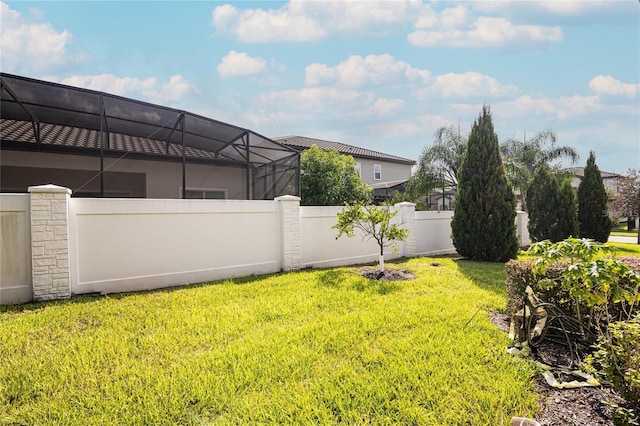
x=483 y=225
x=592 y=204
x=552 y=207
x=567 y=209
x=541 y=199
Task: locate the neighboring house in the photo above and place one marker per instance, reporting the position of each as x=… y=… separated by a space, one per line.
x=436 y=201
x=610 y=180
x=102 y=145
x=383 y=172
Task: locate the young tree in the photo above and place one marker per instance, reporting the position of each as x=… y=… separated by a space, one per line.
x=626 y=203
x=552 y=207
x=374 y=222
x=328 y=178
x=483 y=225
x=592 y=204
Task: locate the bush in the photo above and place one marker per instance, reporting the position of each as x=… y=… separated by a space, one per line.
x=617 y=358
x=579 y=278
x=520 y=275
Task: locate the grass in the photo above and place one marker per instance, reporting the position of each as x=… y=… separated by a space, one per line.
x=310 y=347
x=621 y=231
x=626 y=249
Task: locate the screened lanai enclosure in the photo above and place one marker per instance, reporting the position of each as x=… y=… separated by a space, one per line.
x=104 y=145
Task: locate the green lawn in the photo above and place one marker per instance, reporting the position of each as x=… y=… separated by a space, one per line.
x=311 y=347
x=621 y=231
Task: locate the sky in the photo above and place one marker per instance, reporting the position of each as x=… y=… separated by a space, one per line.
x=379 y=75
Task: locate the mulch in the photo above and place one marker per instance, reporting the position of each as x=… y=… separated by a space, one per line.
x=389 y=274
x=581 y=406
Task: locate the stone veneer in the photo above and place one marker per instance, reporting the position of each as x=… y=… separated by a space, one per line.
x=50 y=242
x=291 y=242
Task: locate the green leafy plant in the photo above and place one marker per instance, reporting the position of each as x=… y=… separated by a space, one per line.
x=329 y=178
x=374 y=222
x=607 y=288
x=617 y=359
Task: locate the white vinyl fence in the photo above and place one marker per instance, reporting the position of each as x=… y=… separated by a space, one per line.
x=54 y=246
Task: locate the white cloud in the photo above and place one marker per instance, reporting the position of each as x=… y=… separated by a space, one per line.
x=304 y=21
x=395 y=129
x=466 y=85
x=562 y=108
x=383 y=107
x=30 y=46
x=263 y=26
x=481 y=32
x=564 y=8
x=173 y=91
x=110 y=83
x=239 y=64
x=316 y=99
x=434 y=121
x=607 y=85
x=357 y=71
x=170 y=92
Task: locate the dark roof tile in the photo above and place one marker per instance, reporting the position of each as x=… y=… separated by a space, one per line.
x=301 y=142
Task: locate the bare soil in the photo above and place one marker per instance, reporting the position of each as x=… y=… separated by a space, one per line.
x=581 y=406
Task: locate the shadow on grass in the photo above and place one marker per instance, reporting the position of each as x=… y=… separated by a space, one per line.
x=333 y=278
x=625 y=248
x=486 y=275
x=97 y=297
x=330 y=278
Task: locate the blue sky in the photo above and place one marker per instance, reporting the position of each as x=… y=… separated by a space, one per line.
x=381 y=75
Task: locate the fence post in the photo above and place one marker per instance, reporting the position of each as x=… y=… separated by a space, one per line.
x=407 y=212
x=50 y=242
x=523 y=230
x=290 y=225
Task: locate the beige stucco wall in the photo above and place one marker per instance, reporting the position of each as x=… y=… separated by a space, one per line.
x=390 y=171
x=163 y=179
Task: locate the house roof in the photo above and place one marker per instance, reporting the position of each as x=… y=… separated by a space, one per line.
x=393 y=184
x=301 y=143
x=51 y=116
x=579 y=172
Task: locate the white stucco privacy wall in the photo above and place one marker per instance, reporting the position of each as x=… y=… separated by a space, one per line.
x=54 y=246
x=126 y=245
x=433 y=233
x=320 y=248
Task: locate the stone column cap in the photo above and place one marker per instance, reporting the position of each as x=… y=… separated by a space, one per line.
x=49 y=188
x=405 y=204
x=287 y=198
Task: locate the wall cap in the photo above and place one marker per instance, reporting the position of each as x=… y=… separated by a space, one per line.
x=287 y=198
x=49 y=188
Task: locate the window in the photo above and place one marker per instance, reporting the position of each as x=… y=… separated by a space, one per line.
x=199 y=194
x=377 y=172
x=359 y=168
